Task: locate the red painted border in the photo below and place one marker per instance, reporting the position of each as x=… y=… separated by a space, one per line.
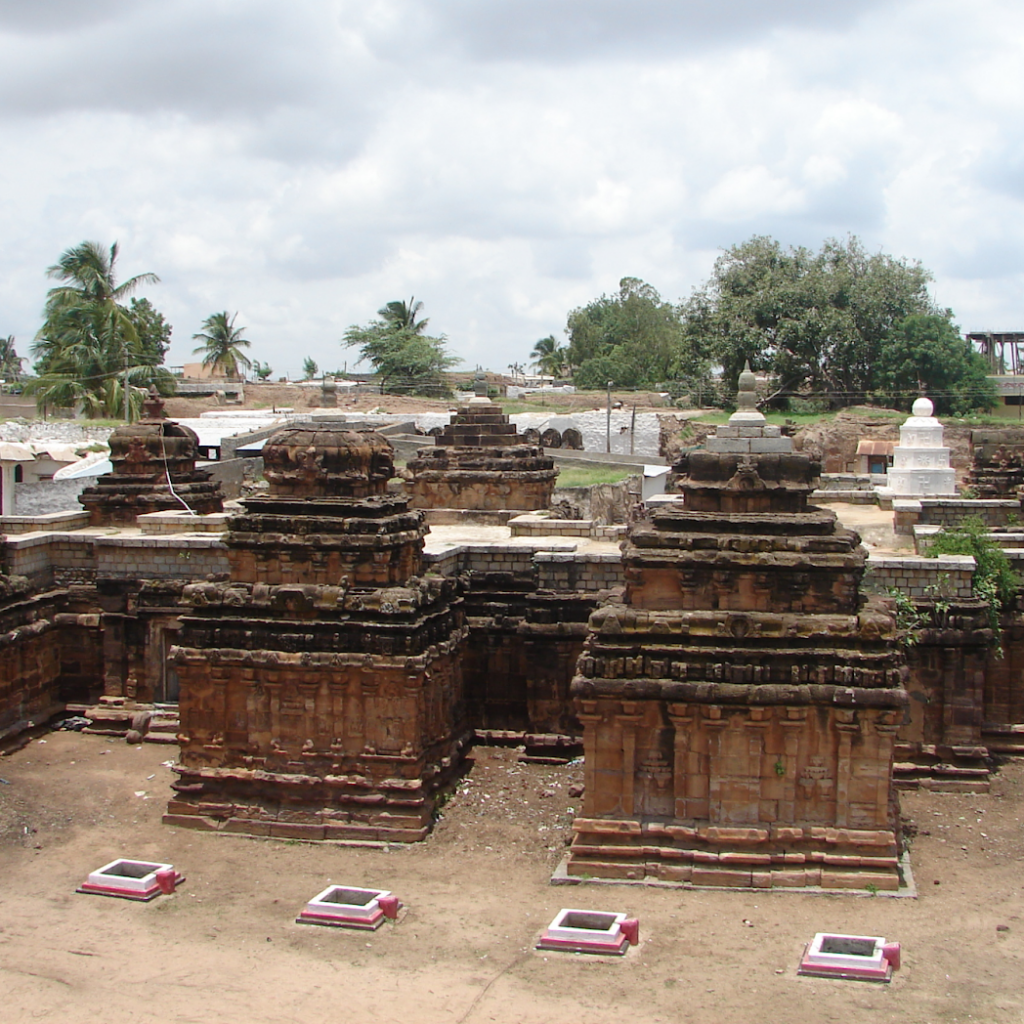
x=368 y=924
x=617 y=947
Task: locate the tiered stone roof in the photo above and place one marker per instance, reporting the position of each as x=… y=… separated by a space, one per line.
x=480 y=462
x=154 y=470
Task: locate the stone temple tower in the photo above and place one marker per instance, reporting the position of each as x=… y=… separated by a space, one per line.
x=321 y=686
x=740 y=704
x=154 y=470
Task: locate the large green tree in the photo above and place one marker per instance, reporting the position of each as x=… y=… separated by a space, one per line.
x=925 y=354
x=89 y=345
x=633 y=338
x=153 y=330
x=222 y=345
x=815 y=321
x=406 y=360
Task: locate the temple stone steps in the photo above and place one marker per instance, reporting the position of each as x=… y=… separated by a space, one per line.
x=164 y=726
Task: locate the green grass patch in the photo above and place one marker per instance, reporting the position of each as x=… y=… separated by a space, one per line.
x=586 y=476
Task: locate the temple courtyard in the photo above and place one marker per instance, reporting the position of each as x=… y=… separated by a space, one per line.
x=225 y=947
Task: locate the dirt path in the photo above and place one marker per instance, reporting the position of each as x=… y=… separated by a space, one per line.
x=225 y=948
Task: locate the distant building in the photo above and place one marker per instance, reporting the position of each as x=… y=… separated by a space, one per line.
x=1004 y=351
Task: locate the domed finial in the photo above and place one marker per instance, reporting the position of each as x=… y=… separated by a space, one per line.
x=922 y=408
x=153 y=405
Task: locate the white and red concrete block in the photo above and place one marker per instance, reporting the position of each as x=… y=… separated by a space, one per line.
x=852 y=957
x=132 y=880
x=590 y=931
x=342 y=906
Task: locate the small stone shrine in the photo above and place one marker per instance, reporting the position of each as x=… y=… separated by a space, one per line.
x=920 y=466
x=321 y=687
x=997 y=462
x=154 y=470
x=740 y=705
x=480 y=462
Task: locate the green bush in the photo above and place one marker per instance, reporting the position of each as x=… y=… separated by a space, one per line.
x=994 y=580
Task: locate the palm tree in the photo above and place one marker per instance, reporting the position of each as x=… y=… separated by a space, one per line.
x=402 y=315
x=548 y=356
x=222 y=345
x=89 y=273
x=88 y=349
x=10 y=361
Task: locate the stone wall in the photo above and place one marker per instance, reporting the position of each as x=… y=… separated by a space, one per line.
x=605 y=504
x=948 y=576
x=718 y=787
x=940 y=744
x=29 y=658
x=49 y=496
x=550 y=568
x=950 y=512
x=1004 y=684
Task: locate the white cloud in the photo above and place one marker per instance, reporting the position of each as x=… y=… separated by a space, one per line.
x=503 y=162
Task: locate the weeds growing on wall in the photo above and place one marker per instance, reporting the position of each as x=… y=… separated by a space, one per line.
x=995 y=580
x=908 y=619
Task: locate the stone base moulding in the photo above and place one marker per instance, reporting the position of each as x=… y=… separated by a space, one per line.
x=132 y=880
x=851 y=957
x=590 y=931
x=340 y=906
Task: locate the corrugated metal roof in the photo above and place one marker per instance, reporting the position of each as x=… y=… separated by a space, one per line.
x=869 y=447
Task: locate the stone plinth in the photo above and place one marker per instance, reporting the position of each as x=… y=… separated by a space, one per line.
x=321 y=687
x=740 y=705
x=480 y=462
x=154 y=470
x=920 y=466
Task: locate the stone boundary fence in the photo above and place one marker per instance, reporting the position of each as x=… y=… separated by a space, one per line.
x=557 y=566
x=948 y=576
x=56 y=550
x=949 y=512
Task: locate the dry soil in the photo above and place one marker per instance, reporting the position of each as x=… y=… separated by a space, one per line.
x=225 y=947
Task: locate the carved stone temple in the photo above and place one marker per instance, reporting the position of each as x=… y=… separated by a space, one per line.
x=154 y=470
x=321 y=687
x=480 y=462
x=740 y=705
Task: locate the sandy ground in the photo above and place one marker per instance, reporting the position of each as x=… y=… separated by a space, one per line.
x=874 y=525
x=225 y=947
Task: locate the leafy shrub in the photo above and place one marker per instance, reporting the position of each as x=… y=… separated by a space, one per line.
x=995 y=580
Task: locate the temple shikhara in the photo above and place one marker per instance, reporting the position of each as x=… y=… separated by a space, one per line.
x=154 y=470
x=321 y=685
x=741 y=704
x=481 y=463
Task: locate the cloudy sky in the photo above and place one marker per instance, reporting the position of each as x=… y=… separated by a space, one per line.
x=504 y=161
